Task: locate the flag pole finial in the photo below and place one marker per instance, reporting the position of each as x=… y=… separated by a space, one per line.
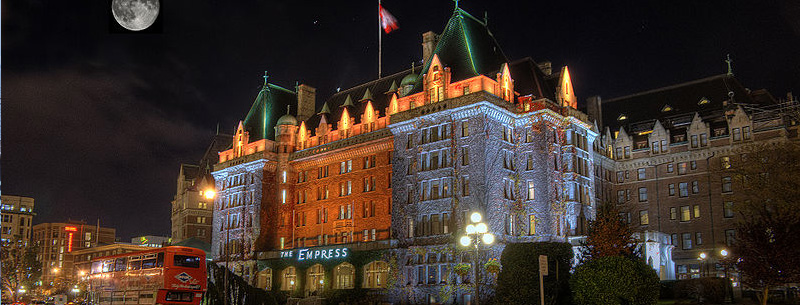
x=265 y=77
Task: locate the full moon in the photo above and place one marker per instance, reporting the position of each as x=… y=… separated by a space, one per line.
x=135 y=15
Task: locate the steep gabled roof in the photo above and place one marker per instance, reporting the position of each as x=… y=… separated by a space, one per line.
x=682 y=98
x=466 y=46
x=269 y=105
x=529 y=79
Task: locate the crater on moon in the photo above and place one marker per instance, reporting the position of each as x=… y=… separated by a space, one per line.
x=135 y=15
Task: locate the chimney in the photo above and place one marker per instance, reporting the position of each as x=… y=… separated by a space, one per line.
x=306 y=100
x=547 y=67
x=594 y=107
x=428 y=43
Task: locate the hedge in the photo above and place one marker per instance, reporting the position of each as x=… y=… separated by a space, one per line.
x=518 y=281
x=615 y=280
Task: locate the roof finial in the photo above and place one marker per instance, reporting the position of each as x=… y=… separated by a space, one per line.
x=729 y=61
x=265 y=77
x=287 y=108
x=412 y=67
x=456 y=1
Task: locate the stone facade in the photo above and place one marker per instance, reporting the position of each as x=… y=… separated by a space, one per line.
x=17 y=213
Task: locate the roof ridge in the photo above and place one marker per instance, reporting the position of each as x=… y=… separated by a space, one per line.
x=371 y=82
x=651 y=91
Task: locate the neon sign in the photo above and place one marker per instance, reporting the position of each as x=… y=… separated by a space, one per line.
x=309 y=254
x=69 y=243
x=71 y=229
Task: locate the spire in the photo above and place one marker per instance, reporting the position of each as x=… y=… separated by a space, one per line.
x=393 y=87
x=325 y=109
x=265 y=77
x=288 y=109
x=729 y=61
x=367 y=95
x=348 y=102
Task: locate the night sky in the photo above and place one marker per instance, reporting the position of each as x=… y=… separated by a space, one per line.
x=96 y=122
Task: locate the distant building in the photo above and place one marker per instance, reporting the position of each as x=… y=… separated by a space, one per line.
x=57 y=241
x=663 y=155
x=17 y=219
x=193 y=205
x=151 y=241
x=82 y=259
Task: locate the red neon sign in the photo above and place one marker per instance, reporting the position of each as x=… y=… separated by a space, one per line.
x=71 y=229
x=69 y=243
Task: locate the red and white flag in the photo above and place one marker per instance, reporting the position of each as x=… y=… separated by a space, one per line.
x=388 y=23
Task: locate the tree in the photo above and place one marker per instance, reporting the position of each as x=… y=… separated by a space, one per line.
x=609 y=235
x=768 y=231
x=615 y=280
x=20 y=268
x=518 y=281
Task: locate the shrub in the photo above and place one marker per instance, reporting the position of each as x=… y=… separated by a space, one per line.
x=518 y=281
x=706 y=289
x=615 y=280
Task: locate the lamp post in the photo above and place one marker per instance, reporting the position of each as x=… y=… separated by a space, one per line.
x=725 y=262
x=702 y=259
x=476 y=233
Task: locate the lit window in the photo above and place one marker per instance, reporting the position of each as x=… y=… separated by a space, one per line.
x=644 y=219
x=686 y=214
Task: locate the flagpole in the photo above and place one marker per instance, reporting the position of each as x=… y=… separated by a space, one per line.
x=380 y=43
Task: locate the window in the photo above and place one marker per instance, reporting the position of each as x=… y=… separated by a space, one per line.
x=725 y=162
x=283 y=177
x=687 y=241
x=693 y=165
x=695 y=187
x=746 y=132
x=283 y=196
x=264 y=279
x=673 y=239
x=532 y=225
x=727 y=209
x=670 y=168
x=698 y=238
x=343 y=276
x=376 y=274
x=620 y=177
x=727 y=185
x=737 y=134
x=410 y=143
x=531 y=191
x=508 y=134
x=369 y=184
x=672 y=189
x=683 y=188
x=703 y=139
x=696 y=210
x=654 y=147
x=644 y=219
x=682 y=167
x=627 y=152
x=621 y=196
x=529 y=165
x=686 y=214
x=187 y=261
x=345 y=166
x=410 y=227
x=465 y=186
x=694 y=141
x=730 y=237
x=673 y=213
x=464 y=156
x=641 y=174
x=642 y=194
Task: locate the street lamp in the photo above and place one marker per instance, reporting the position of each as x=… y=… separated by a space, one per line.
x=477 y=233
x=210 y=194
x=702 y=259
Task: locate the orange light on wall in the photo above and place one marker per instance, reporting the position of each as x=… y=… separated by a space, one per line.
x=303 y=131
x=345 y=121
x=393 y=107
x=369 y=113
x=69 y=242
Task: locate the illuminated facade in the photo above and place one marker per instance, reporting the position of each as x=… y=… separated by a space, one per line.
x=17 y=219
x=663 y=157
x=57 y=241
x=193 y=205
x=392 y=166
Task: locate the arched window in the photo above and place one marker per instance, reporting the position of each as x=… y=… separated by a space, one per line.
x=264 y=279
x=288 y=278
x=314 y=278
x=343 y=276
x=375 y=274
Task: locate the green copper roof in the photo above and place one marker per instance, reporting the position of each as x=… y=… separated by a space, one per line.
x=325 y=108
x=392 y=88
x=348 y=102
x=466 y=46
x=367 y=95
x=269 y=105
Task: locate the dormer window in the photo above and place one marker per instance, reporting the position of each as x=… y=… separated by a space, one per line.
x=666 y=108
x=703 y=101
x=622 y=117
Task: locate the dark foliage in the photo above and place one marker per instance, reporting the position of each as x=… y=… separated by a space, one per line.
x=518 y=281
x=615 y=280
x=608 y=235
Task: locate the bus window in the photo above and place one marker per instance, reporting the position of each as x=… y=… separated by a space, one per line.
x=97 y=267
x=120 y=264
x=149 y=261
x=135 y=263
x=108 y=265
x=186 y=261
x=160 y=260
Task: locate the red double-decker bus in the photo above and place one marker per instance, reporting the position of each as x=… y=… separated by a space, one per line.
x=170 y=275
